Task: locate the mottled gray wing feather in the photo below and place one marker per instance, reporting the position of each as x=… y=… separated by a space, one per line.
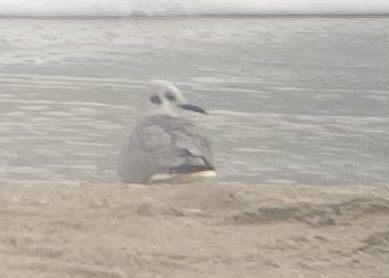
x=159 y=144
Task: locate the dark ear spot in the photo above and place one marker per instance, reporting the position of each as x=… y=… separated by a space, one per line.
x=156 y=100
x=170 y=96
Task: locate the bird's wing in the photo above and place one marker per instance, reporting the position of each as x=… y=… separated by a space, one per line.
x=185 y=140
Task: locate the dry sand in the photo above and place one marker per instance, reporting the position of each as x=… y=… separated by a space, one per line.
x=194 y=231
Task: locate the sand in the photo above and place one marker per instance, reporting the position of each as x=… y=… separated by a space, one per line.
x=194 y=231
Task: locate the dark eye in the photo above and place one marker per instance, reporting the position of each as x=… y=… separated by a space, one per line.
x=169 y=95
x=156 y=100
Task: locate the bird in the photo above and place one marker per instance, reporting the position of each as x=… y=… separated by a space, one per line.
x=165 y=143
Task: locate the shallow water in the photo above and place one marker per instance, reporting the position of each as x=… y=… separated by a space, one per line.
x=296 y=100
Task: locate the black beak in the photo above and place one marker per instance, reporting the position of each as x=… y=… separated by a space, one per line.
x=192 y=108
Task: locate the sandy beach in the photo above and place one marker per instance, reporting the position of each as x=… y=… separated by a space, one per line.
x=194 y=231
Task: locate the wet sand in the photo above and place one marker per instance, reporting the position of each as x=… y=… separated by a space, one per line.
x=194 y=231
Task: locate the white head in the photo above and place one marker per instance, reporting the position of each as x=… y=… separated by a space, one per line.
x=167 y=98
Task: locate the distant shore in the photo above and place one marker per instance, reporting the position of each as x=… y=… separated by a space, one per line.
x=233 y=16
x=194 y=231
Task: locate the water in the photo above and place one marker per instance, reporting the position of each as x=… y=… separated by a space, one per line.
x=292 y=100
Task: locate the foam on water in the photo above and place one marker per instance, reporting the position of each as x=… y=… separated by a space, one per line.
x=65 y=8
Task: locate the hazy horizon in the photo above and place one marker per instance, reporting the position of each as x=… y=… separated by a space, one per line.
x=39 y=8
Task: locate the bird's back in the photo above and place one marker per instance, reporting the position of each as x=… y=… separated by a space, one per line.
x=163 y=144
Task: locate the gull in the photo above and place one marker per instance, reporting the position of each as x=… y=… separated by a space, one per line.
x=165 y=144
